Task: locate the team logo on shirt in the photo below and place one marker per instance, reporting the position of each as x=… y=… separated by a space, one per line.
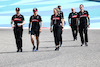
x=34 y=20
x=17 y=19
x=56 y=18
x=85 y=15
x=74 y=16
x=75 y=13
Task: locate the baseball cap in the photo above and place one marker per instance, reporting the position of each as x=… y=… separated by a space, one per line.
x=17 y=9
x=35 y=9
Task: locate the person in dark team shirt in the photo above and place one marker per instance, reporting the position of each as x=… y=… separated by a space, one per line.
x=18 y=20
x=61 y=13
x=62 y=16
x=73 y=21
x=36 y=27
x=57 y=27
x=84 y=20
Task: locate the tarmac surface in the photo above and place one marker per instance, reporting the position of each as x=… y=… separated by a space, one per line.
x=71 y=54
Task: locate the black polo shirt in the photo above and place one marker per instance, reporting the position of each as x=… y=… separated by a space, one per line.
x=83 y=17
x=35 y=21
x=73 y=17
x=56 y=19
x=17 y=19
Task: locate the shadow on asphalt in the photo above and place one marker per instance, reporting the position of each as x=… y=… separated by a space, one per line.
x=53 y=41
x=14 y=52
x=43 y=47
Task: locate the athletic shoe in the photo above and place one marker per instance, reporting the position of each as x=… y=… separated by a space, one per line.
x=33 y=48
x=82 y=44
x=17 y=50
x=21 y=50
x=36 y=49
x=57 y=49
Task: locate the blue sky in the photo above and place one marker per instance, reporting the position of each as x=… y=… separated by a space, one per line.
x=45 y=9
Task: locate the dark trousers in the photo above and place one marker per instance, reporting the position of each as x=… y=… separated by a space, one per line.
x=61 y=38
x=83 y=33
x=74 y=31
x=18 y=37
x=57 y=34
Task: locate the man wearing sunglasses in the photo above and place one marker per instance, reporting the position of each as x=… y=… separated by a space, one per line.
x=36 y=27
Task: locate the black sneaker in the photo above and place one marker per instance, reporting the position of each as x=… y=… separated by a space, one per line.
x=21 y=50
x=33 y=48
x=82 y=44
x=36 y=49
x=75 y=39
x=17 y=50
x=57 y=49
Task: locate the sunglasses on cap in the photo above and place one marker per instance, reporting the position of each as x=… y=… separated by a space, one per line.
x=17 y=9
x=35 y=9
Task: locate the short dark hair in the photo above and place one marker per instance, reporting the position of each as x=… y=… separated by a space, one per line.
x=59 y=7
x=82 y=5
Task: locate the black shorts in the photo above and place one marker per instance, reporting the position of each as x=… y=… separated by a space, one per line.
x=35 y=32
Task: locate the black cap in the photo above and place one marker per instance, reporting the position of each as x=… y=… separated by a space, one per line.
x=35 y=9
x=17 y=9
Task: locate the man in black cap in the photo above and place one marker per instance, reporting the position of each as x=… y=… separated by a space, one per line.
x=36 y=27
x=84 y=19
x=18 y=20
x=62 y=16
